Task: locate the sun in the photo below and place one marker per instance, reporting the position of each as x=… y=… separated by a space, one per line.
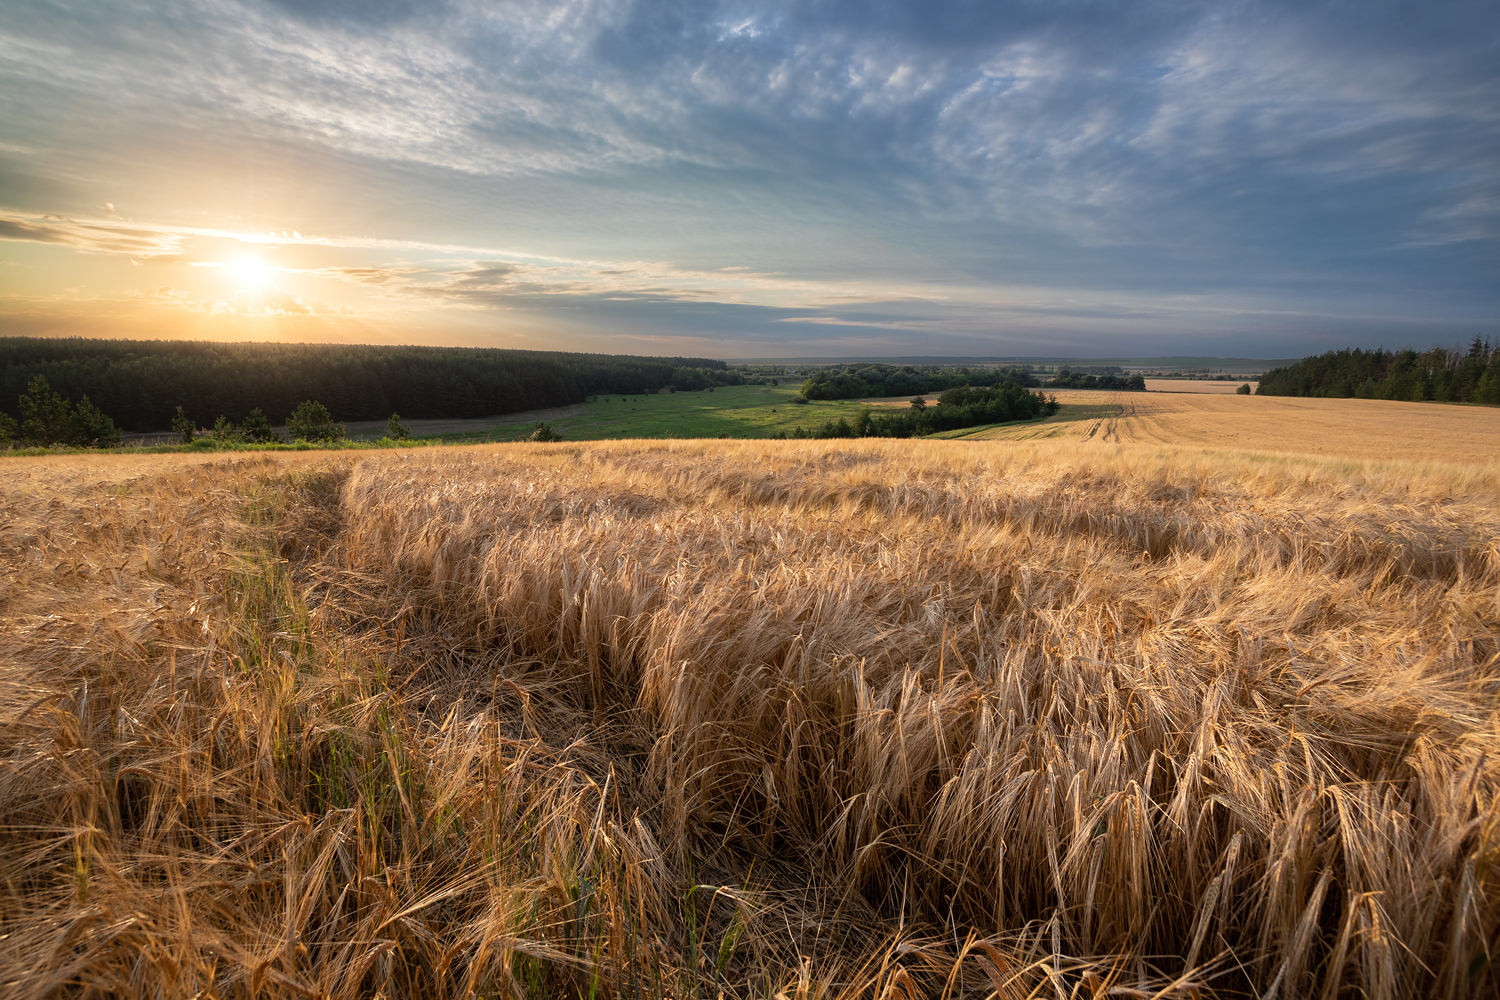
x=251 y=271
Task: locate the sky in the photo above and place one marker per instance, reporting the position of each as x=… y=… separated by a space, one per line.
x=1064 y=178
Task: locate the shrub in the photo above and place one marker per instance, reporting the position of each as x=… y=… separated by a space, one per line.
x=544 y=432
x=395 y=429
x=257 y=429
x=311 y=421
x=225 y=431
x=182 y=426
x=92 y=428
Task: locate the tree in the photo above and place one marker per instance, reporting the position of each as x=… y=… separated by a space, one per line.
x=46 y=416
x=257 y=428
x=311 y=421
x=1244 y=389
x=181 y=424
x=8 y=428
x=395 y=429
x=225 y=432
x=92 y=428
x=544 y=432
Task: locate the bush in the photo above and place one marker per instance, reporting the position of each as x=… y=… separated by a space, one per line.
x=312 y=422
x=799 y=400
x=544 y=432
x=257 y=429
x=183 y=426
x=225 y=432
x=1243 y=390
x=92 y=428
x=395 y=429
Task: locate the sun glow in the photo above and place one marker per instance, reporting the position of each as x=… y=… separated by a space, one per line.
x=251 y=271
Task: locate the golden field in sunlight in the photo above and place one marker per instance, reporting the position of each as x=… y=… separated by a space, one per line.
x=1379 y=429
x=1069 y=715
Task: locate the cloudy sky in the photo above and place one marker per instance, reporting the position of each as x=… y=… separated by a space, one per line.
x=989 y=177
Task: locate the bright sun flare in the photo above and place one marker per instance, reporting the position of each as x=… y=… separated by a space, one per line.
x=251 y=271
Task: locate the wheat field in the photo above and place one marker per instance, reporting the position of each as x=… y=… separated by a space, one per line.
x=1038 y=718
x=1336 y=429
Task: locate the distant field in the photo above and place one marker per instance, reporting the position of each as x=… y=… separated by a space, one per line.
x=1333 y=428
x=1195 y=385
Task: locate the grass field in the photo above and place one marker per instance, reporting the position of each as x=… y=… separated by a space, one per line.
x=1077 y=715
x=737 y=411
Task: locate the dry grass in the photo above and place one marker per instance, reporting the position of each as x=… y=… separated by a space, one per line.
x=807 y=719
x=1379 y=430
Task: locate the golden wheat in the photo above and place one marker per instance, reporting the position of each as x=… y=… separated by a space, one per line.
x=1378 y=430
x=888 y=719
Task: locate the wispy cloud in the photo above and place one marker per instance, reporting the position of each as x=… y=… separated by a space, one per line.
x=789 y=155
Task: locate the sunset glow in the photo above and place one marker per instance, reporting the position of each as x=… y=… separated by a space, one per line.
x=785 y=180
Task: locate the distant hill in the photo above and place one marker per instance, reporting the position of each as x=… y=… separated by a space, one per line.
x=1184 y=363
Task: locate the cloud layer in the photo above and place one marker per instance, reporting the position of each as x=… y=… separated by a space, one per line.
x=1201 y=166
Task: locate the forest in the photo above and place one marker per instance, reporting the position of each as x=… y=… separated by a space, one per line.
x=875 y=380
x=1120 y=382
x=140 y=384
x=1439 y=375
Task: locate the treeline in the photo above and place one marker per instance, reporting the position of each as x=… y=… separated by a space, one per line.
x=1069 y=379
x=1438 y=375
x=962 y=406
x=858 y=382
x=142 y=383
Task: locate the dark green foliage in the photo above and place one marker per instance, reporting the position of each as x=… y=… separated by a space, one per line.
x=181 y=424
x=685 y=379
x=141 y=382
x=47 y=418
x=92 y=428
x=964 y=406
x=46 y=414
x=1069 y=379
x=798 y=400
x=395 y=429
x=1243 y=390
x=8 y=429
x=311 y=421
x=860 y=381
x=257 y=429
x=544 y=432
x=1438 y=375
x=225 y=432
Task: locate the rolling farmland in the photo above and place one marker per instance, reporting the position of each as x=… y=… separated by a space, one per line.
x=1333 y=428
x=1113 y=705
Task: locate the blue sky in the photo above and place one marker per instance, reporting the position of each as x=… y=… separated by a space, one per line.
x=735 y=180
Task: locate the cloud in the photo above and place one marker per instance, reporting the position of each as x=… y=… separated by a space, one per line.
x=794 y=154
x=91 y=237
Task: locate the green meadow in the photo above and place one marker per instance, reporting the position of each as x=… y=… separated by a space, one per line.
x=738 y=411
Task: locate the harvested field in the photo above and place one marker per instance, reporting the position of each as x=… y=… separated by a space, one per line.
x=1197 y=385
x=720 y=718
